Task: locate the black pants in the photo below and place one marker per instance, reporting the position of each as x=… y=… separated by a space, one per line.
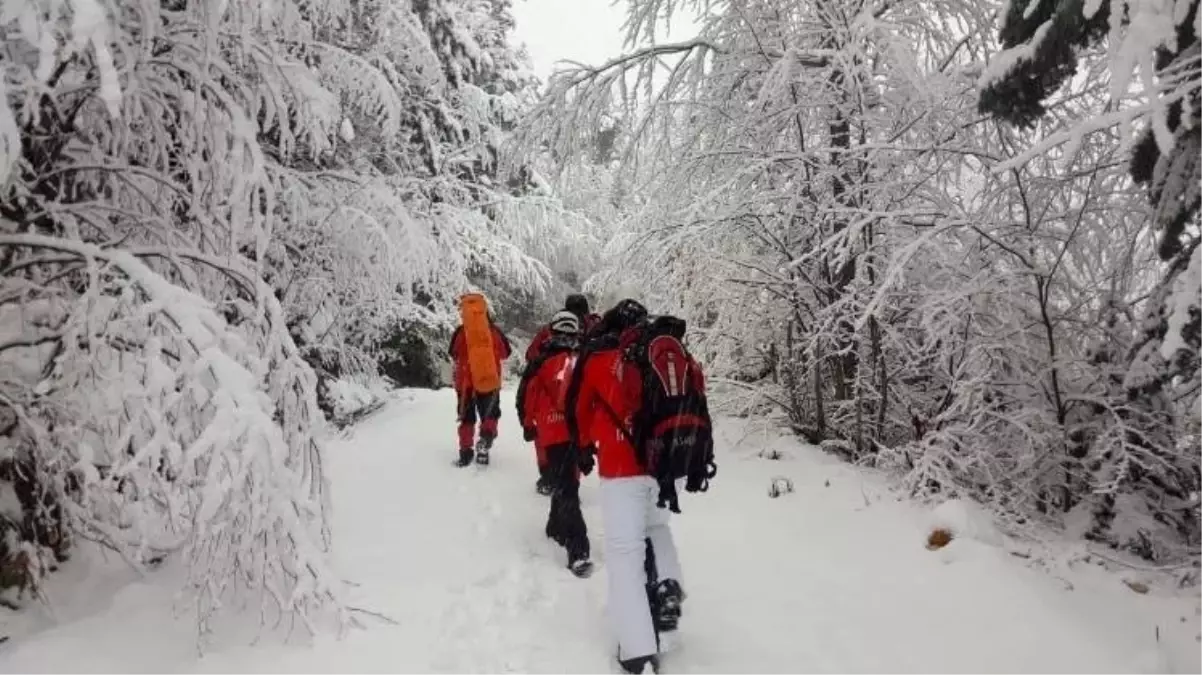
x=471 y=404
x=485 y=406
x=565 y=522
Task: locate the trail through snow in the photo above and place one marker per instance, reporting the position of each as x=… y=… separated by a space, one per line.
x=832 y=577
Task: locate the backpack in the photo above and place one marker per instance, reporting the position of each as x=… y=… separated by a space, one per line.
x=672 y=433
x=550 y=347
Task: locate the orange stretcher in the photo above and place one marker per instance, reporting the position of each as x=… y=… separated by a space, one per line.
x=477 y=333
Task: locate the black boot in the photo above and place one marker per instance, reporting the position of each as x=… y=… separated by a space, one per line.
x=578 y=562
x=482 y=448
x=465 y=456
x=666 y=598
x=639 y=664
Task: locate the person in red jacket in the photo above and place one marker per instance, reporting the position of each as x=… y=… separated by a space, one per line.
x=563 y=334
x=472 y=404
x=636 y=532
x=541 y=402
x=577 y=304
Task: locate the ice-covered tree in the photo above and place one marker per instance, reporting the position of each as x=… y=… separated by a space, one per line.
x=199 y=201
x=811 y=185
x=1154 y=76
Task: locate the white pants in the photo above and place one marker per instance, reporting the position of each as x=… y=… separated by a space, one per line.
x=630 y=516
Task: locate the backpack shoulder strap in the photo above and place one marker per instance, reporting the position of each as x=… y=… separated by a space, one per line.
x=587 y=350
x=618 y=422
x=523 y=385
x=547 y=354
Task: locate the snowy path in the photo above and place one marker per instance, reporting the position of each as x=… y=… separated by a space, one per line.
x=815 y=581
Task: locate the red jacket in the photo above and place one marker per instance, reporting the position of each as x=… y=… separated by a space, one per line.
x=600 y=400
x=544 y=334
x=545 y=395
x=458 y=351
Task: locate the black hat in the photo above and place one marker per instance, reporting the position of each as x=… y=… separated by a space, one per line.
x=576 y=304
x=623 y=315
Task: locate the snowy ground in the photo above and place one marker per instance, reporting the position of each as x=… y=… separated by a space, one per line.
x=833 y=577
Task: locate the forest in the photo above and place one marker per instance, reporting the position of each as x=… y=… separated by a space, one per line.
x=953 y=241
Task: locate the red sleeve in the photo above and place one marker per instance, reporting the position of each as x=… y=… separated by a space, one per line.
x=535 y=398
x=537 y=343
x=501 y=341
x=458 y=346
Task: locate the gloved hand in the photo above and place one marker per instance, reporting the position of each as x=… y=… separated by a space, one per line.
x=585 y=461
x=528 y=434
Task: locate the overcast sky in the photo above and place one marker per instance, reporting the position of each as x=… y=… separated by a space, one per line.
x=589 y=31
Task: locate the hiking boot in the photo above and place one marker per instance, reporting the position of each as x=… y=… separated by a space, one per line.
x=465 y=456
x=665 y=605
x=482 y=448
x=578 y=561
x=641 y=664
x=581 y=567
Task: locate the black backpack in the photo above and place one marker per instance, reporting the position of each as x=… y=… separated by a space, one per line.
x=672 y=432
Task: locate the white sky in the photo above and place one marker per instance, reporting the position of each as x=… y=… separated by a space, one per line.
x=589 y=31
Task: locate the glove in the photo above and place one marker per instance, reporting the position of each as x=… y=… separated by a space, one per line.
x=528 y=434
x=586 y=461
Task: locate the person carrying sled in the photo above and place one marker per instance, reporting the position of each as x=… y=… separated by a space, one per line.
x=541 y=400
x=575 y=303
x=477 y=349
x=637 y=399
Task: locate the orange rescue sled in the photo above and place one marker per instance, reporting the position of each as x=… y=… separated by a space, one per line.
x=477 y=332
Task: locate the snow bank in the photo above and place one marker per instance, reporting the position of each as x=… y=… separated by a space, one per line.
x=356 y=392
x=832 y=579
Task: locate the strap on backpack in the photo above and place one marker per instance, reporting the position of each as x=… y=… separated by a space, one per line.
x=667 y=488
x=613 y=415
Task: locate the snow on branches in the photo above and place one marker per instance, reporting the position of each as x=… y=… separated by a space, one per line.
x=164 y=430
x=198 y=204
x=809 y=184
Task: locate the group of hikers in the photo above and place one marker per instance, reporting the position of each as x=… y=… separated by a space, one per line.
x=618 y=392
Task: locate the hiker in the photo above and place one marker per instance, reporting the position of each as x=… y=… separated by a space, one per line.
x=541 y=399
x=575 y=303
x=527 y=416
x=473 y=400
x=637 y=400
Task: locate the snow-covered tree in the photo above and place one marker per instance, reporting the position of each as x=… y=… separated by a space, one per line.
x=811 y=186
x=1154 y=75
x=198 y=202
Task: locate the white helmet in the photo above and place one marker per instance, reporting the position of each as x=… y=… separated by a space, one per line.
x=565 y=322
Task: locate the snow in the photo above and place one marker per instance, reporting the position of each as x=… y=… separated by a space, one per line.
x=966 y=520
x=10 y=137
x=346 y=131
x=90 y=26
x=10 y=504
x=1005 y=61
x=834 y=576
x=352 y=393
x=1185 y=297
